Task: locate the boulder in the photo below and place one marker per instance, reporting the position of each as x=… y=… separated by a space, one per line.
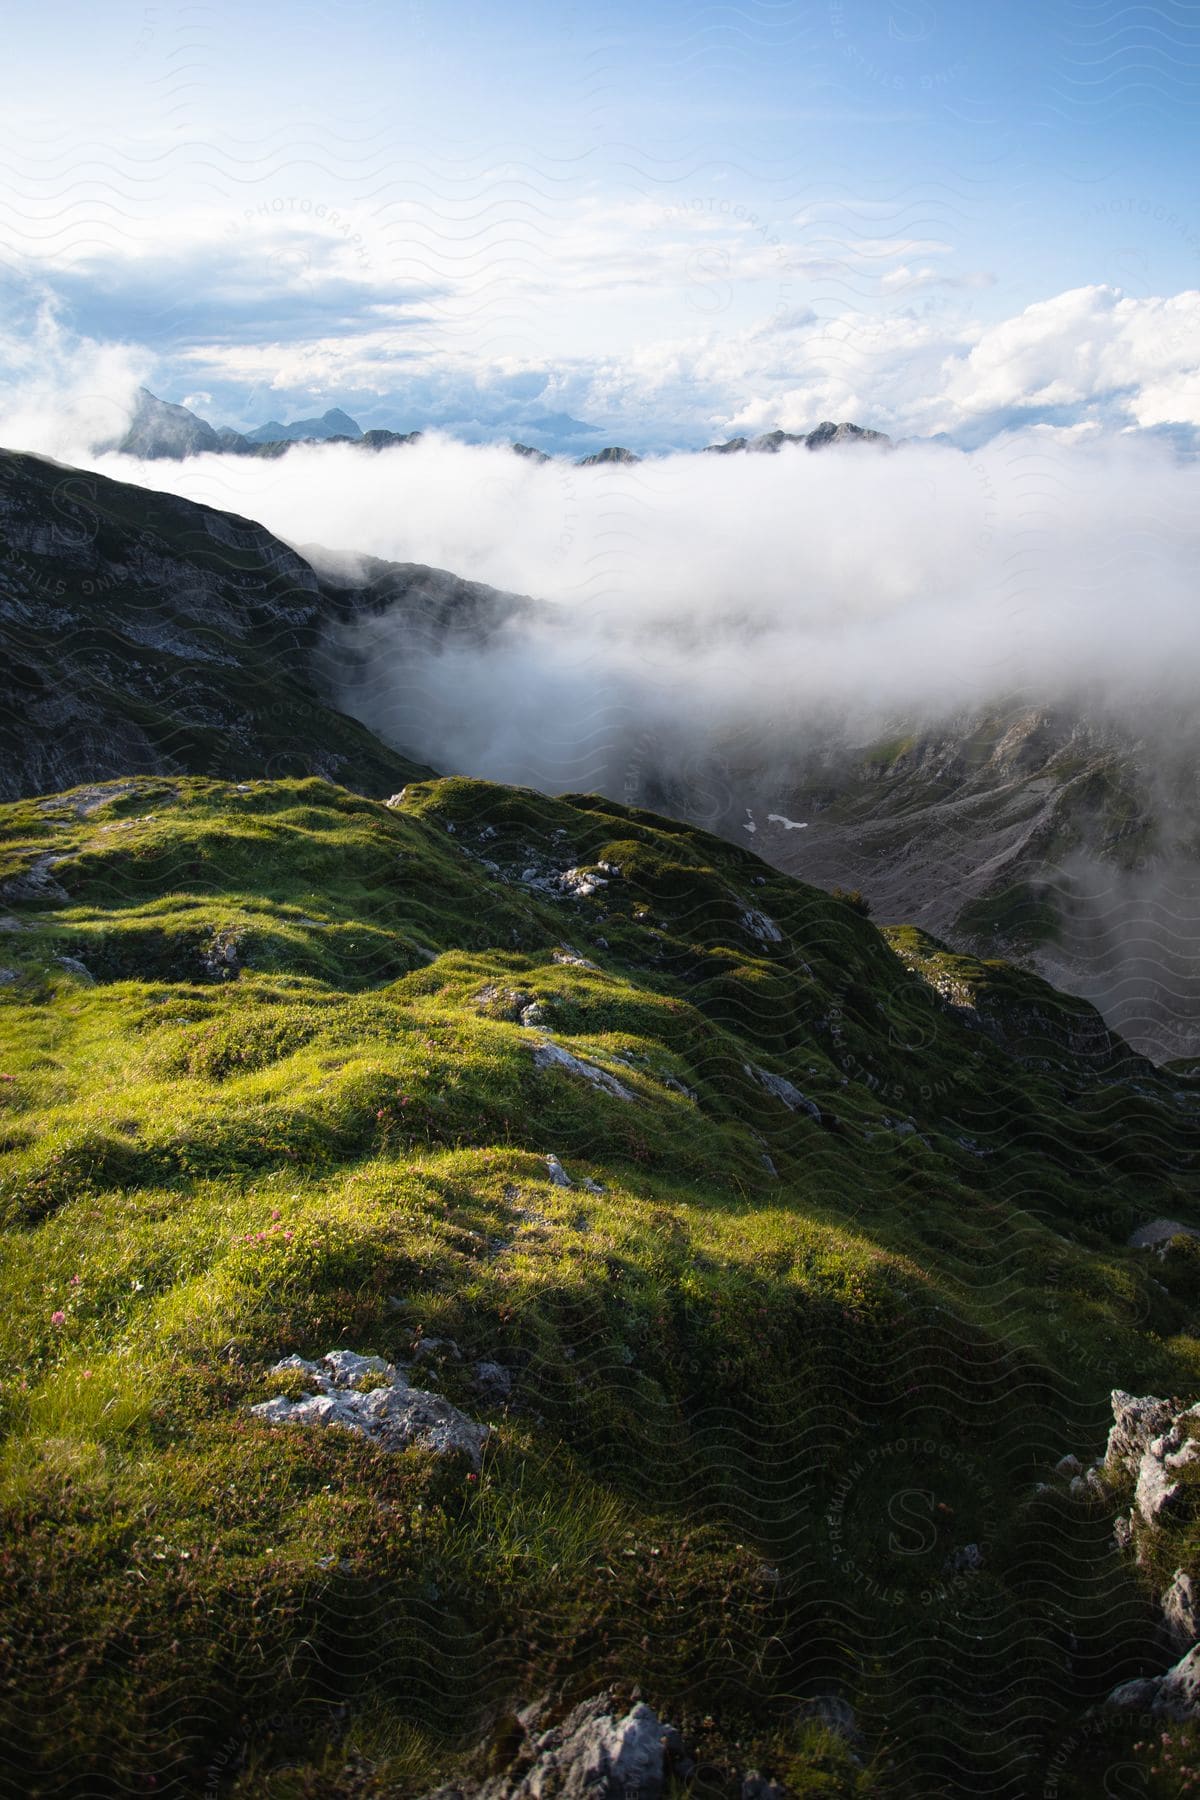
x=1158 y=1233
x=1175 y=1695
x=1181 y=1611
x=1158 y=1485
x=549 y=1055
x=80 y=970
x=759 y=926
x=1178 y=1694
x=784 y=1090
x=1135 y=1422
x=598 y=1752
x=393 y=1415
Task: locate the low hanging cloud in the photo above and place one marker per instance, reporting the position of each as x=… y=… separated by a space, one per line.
x=764 y=597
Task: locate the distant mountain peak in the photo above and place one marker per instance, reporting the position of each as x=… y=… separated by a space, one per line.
x=615 y=453
x=769 y=443
x=159 y=429
x=334 y=423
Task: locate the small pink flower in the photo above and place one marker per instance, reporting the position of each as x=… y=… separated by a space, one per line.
x=275 y=1213
x=87 y=1374
x=288 y=1236
x=75 y=1280
x=58 y=1318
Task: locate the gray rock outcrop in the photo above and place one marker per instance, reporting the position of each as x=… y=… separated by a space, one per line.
x=1180 y=1606
x=392 y=1414
x=598 y=1752
x=1175 y=1695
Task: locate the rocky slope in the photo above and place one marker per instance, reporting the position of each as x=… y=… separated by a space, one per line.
x=1067 y=837
x=518 y=1296
x=142 y=633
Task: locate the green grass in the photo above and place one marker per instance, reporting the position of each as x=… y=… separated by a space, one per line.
x=730 y=1379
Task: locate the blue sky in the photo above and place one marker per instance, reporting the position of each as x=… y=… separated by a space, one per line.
x=666 y=222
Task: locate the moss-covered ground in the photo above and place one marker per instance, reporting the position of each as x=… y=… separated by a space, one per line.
x=264 y=1088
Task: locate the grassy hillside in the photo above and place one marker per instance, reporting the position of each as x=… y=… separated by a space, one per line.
x=840 y=1275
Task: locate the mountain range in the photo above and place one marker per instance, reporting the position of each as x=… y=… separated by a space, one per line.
x=162 y=429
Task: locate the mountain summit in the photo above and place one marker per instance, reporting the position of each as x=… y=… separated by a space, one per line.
x=159 y=429
x=820 y=438
x=331 y=424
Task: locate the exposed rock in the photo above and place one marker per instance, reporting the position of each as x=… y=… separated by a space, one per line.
x=783 y=1090
x=536 y=1014
x=36 y=884
x=221 y=959
x=1136 y=1422
x=393 y=1415
x=436 y=1349
x=1067 y=1466
x=760 y=927
x=141 y=633
x=967 y=1560
x=558 y=1175
x=581 y=882
x=1179 y=1690
x=1175 y=1695
x=1159 y=1231
x=1181 y=1610
x=571 y=958
x=549 y=1055
x=1157 y=1483
x=596 y=1753
x=73 y=966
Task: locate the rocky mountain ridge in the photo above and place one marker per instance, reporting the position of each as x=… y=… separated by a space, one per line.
x=163 y=429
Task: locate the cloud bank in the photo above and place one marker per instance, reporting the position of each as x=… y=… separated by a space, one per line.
x=706 y=596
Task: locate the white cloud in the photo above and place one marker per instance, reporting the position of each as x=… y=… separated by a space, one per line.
x=1094 y=349
x=715 y=599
